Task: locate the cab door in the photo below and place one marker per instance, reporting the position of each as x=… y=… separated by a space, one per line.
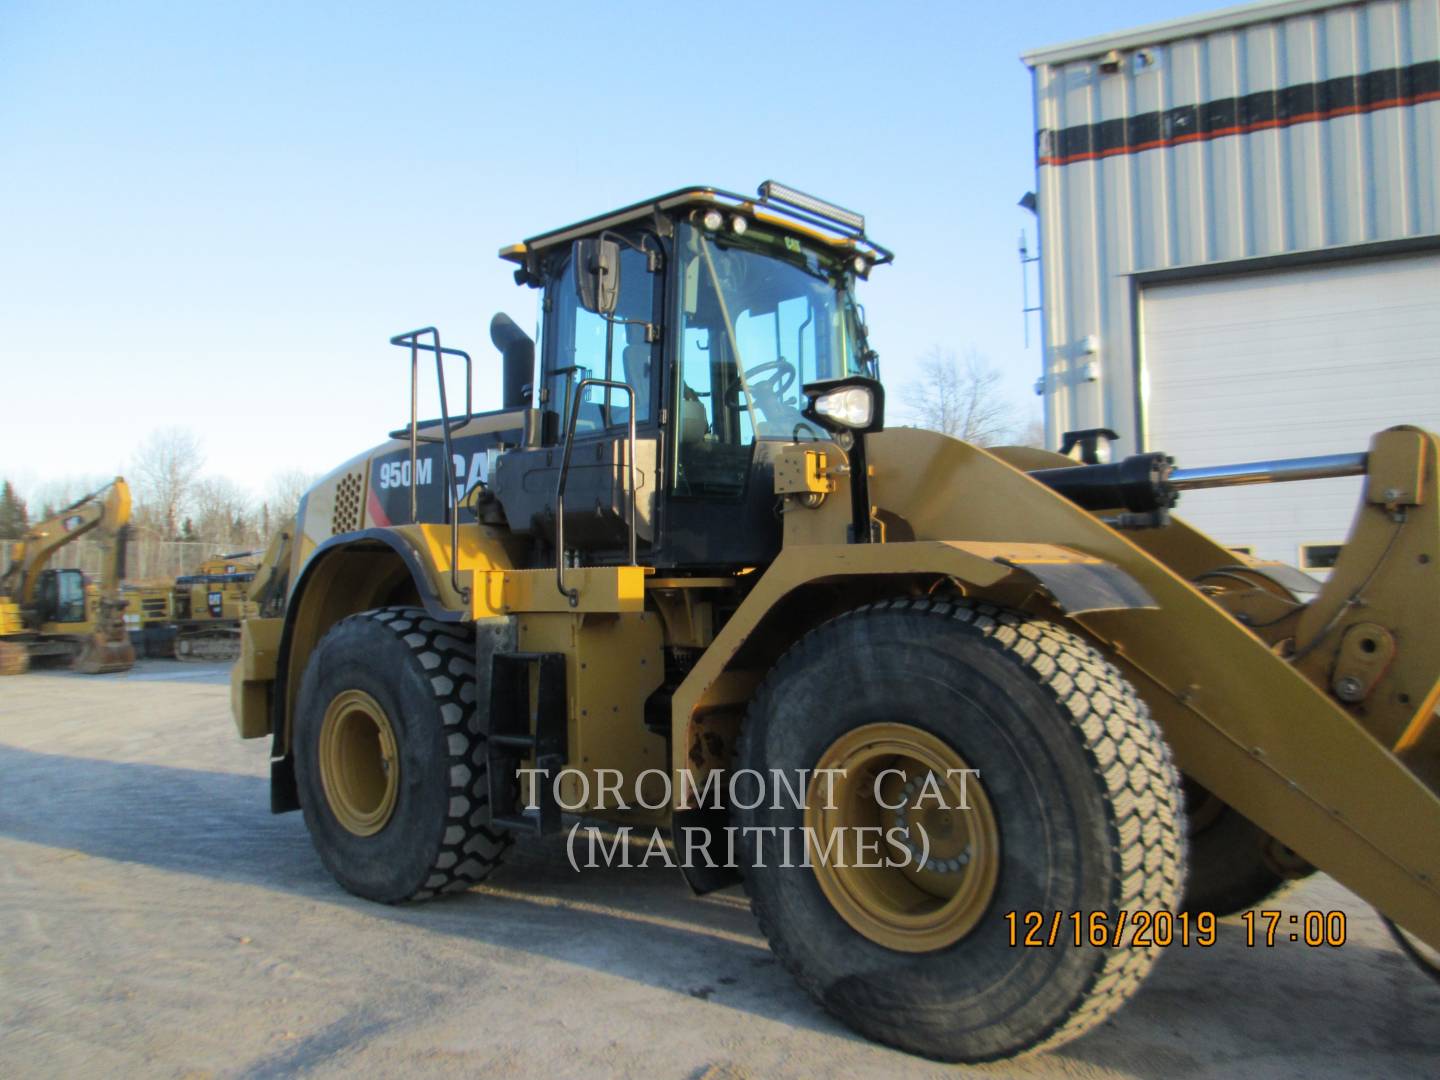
x=720 y=509
x=60 y=597
x=578 y=344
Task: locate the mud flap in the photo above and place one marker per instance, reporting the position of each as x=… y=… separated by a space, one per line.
x=1092 y=585
x=700 y=848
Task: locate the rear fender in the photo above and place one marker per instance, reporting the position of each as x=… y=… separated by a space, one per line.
x=345 y=575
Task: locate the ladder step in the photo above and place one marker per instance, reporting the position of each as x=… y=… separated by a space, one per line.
x=510 y=739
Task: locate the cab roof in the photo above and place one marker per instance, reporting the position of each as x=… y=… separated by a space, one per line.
x=774 y=204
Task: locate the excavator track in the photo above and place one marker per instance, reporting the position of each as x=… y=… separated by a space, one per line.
x=14 y=658
x=208 y=646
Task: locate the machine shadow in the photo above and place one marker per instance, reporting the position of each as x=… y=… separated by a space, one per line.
x=145 y=670
x=645 y=925
x=639 y=923
x=1203 y=1011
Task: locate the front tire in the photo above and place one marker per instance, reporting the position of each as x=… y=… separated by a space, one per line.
x=1085 y=815
x=389 y=757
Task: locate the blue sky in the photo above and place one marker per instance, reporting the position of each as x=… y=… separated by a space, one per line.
x=214 y=215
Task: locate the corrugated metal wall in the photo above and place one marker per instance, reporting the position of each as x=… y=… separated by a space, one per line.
x=1202 y=194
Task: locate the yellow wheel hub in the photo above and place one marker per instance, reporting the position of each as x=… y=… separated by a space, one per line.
x=359 y=767
x=928 y=880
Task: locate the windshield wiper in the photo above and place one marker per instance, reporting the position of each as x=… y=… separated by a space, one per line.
x=869 y=358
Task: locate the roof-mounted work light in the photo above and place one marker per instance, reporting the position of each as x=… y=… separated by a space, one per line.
x=772 y=192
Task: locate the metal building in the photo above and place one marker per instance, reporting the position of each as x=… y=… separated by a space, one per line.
x=1240 y=246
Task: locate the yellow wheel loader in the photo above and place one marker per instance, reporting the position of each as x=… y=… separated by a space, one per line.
x=50 y=615
x=936 y=707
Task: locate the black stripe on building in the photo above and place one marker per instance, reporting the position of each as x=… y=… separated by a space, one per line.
x=1264 y=109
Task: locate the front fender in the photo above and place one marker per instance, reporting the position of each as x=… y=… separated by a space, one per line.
x=1008 y=572
x=345 y=575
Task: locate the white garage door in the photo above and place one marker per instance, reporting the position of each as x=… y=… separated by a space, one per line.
x=1288 y=364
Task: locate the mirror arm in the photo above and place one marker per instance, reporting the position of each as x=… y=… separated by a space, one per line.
x=654 y=260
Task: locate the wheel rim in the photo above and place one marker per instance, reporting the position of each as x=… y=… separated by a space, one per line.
x=939 y=895
x=359 y=768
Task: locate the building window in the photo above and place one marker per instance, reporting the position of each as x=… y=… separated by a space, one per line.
x=1319 y=556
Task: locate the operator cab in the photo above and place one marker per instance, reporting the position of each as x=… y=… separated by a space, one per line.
x=60 y=597
x=700 y=317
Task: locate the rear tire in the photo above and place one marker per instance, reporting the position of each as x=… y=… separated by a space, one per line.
x=390 y=761
x=1234 y=864
x=1076 y=774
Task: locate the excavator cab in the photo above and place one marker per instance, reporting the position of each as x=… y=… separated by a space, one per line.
x=60 y=597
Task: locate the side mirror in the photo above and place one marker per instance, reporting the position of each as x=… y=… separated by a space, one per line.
x=597 y=274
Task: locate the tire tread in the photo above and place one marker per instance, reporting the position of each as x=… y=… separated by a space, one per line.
x=469 y=850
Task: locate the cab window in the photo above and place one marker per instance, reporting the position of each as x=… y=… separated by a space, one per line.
x=60 y=596
x=584 y=345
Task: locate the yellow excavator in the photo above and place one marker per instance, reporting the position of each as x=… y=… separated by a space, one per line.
x=209 y=604
x=49 y=615
x=197 y=616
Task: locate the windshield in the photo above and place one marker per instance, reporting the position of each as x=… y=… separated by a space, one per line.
x=759 y=316
x=762 y=316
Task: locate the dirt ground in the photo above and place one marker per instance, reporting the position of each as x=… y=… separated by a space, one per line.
x=156 y=919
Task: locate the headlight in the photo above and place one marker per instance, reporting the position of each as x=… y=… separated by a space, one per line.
x=853 y=407
x=855 y=403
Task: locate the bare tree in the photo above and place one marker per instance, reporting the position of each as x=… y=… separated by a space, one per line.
x=283 y=497
x=960 y=398
x=166 y=467
x=223 y=513
x=1033 y=433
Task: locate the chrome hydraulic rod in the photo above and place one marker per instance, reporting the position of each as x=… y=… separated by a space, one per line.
x=1279 y=471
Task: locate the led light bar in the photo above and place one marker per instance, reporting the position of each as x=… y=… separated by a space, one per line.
x=770 y=191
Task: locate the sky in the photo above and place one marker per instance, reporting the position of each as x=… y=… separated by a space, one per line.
x=214 y=215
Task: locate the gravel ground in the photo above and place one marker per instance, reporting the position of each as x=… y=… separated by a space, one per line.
x=156 y=919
